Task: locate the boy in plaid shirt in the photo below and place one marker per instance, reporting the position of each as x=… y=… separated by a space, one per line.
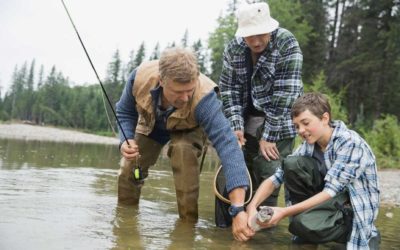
x=349 y=163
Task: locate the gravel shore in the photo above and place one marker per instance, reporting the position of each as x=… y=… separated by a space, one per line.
x=388 y=179
x=41 y=133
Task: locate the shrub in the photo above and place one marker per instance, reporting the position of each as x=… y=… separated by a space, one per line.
x=383 y=139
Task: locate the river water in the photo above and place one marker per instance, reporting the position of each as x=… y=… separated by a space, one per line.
x=63 y=196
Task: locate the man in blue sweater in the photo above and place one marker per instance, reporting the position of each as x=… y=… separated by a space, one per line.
x=170 y=101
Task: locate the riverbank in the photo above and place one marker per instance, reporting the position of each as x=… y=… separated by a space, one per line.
x=42 y=133
x=389 y=184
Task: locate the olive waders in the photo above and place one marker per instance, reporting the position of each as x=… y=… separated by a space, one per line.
x=329 y=221
x=260 y=168
x=184 y=151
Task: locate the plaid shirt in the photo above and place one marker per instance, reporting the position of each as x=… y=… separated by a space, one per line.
x=275 y=84
x=350 y=163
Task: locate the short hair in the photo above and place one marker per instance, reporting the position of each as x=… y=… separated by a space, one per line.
x=178 y=64
x=315 y=102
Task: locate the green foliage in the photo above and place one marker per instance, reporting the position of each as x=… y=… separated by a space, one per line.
x=156 y=52
x=314 y=51
x=140 y=55
x=218 y=39
x=53 y=116
x=130 y=65
x=114 y=70
x=338 y=110
x=289 y=14
x=201 y=56
x=383 y=139
x=364 y=56
x=360 y=65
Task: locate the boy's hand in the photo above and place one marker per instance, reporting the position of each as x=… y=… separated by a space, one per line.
x=251 y=211
x=279 y=214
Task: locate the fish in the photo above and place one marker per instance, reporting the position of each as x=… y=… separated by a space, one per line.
x=263 y=215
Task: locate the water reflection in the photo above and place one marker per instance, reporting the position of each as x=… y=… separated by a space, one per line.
x=57 y=155
x=63 y=196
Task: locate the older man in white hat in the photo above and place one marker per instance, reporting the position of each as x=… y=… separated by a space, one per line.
x=260 y=80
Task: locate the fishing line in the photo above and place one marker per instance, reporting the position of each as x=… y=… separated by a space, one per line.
x=94 y=69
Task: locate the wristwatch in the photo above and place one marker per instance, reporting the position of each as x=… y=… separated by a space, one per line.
x=234 y=210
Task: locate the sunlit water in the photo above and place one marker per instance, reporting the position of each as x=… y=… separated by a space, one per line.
x=63 y=196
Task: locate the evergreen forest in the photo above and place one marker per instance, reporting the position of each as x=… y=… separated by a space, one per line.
x=351 y=51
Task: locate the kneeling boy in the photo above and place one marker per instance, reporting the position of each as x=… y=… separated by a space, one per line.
x=332 y=159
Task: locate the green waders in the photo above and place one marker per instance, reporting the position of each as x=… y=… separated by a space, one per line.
x=260 y=168
x=329 y=221
x=184 y=151
x=326 y=222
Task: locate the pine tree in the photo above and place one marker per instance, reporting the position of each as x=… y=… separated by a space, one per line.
x=289 y=13
x=185 y=39
x=156 y=52
x=130 y=65
x=114 y=70
x=366 y=58
x=141 y=54
x=201 y=56
x=41 y=76
x=220 y=37
x=315 y=50
x=30 y=81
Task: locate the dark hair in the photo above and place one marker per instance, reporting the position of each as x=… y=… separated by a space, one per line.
x=315 y=102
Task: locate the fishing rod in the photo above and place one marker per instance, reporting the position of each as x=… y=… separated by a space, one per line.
x=94 y=69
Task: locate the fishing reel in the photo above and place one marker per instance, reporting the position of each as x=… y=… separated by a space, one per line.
x=137 y=174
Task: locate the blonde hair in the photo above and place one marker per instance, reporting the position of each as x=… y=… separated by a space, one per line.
x=179 y=65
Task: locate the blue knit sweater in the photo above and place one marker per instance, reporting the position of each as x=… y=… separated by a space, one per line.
x=209 y=116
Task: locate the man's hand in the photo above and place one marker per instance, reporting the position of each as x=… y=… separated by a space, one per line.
x=131 y=151
x=269 y=150
x=240 y=230
x=240 y=136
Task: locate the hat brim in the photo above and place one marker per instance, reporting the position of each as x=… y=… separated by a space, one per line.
x=258 y=30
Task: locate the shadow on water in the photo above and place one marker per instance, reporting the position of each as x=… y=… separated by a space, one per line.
x=63 y=196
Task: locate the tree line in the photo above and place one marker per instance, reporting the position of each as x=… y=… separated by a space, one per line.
x=351 y=52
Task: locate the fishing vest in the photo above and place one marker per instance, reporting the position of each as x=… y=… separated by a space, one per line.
x=147 y=78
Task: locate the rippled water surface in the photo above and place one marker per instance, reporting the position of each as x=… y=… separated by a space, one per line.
x=63 y=196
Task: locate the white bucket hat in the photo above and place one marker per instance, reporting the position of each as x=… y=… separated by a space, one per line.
x=255 y=19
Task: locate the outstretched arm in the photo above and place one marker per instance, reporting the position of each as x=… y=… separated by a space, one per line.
x=281 y=213
x=263 y=192
x=216 y=126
